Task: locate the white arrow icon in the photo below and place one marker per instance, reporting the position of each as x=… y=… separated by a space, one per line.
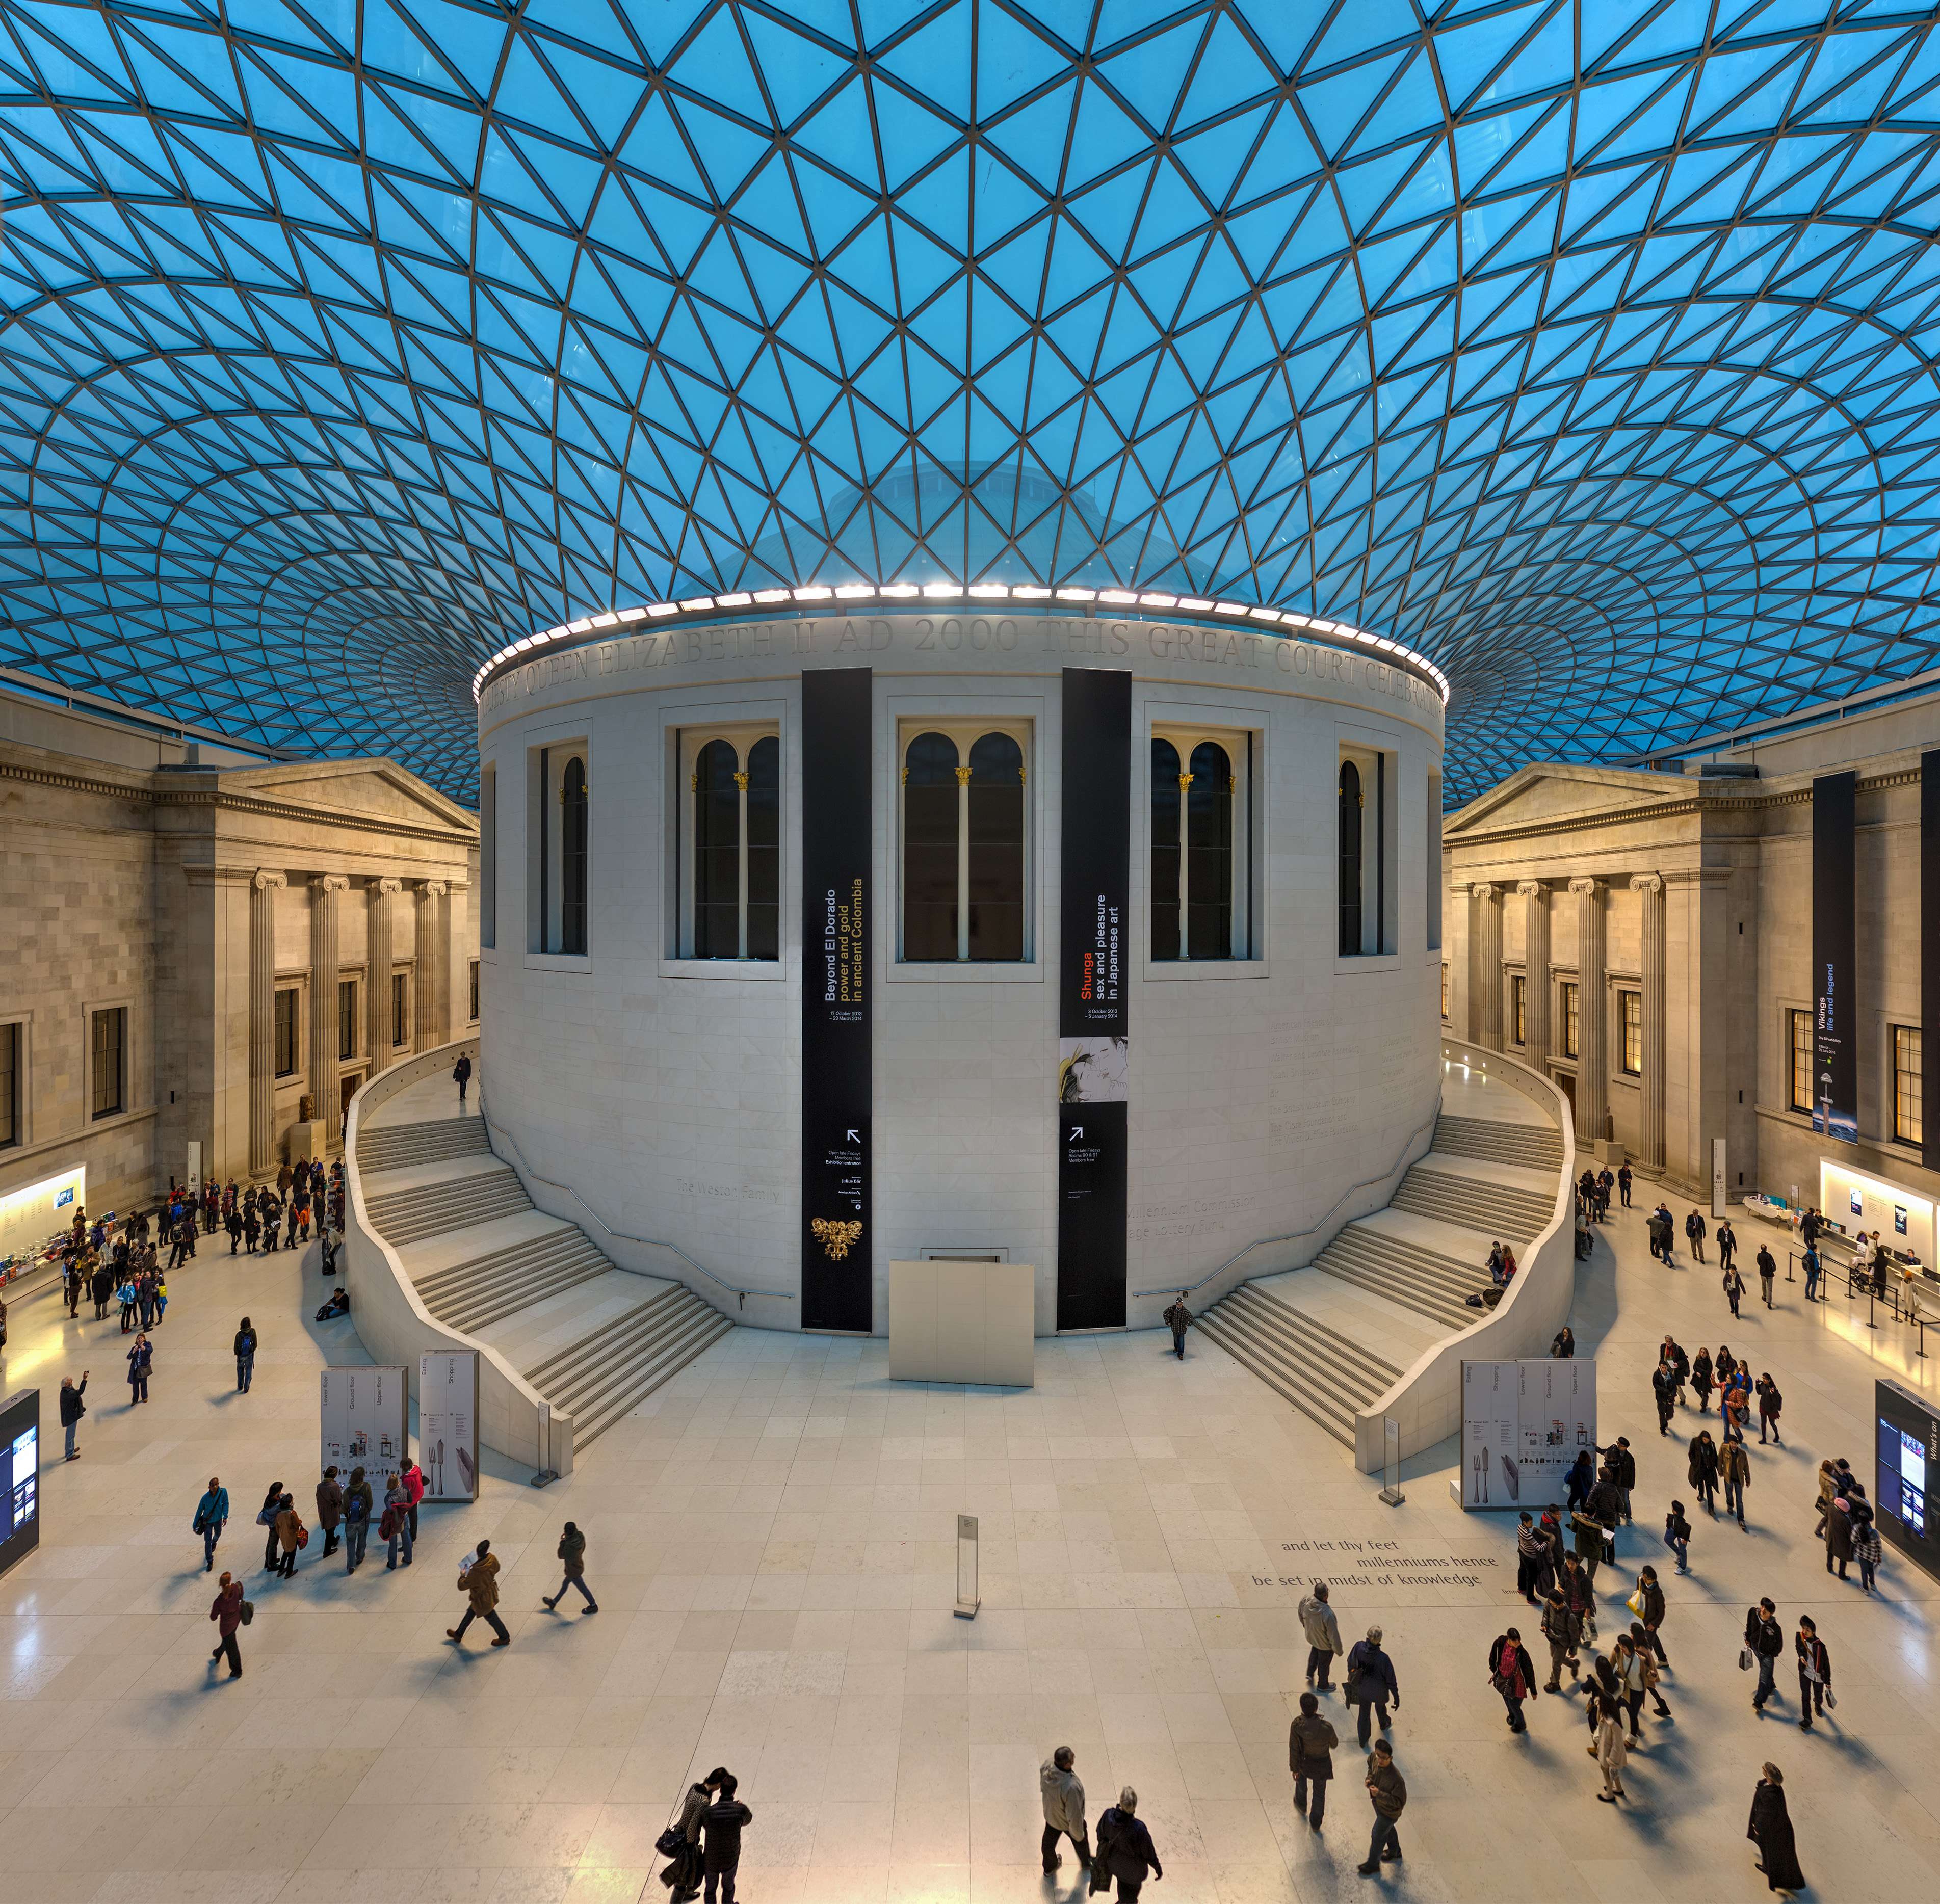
x=1077 y=1132
x=854 y=1137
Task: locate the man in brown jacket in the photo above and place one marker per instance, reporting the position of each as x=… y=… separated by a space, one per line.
x=480 y=1581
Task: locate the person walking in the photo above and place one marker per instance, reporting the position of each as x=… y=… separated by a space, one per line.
x=479 y=1580
x=1815 y=1672
x=1769 y=1401
x=1701 y=1471
x=358 y=1508
x=1764 y=1640
x=289 y=1537
x=1323 y=1636
x=1563 y=1630
x=462 y=1072
x=1125 y=1849
x=1767 y=1273
x=1371 y=1684
x=725 y=1820
x=1734 y=1470
x=571 y=1554
x=1649 y=1601
x=211 y=1513
x=1677 y=1536
x=1734 y=1288
x=329 y=1510
x=228 y=1613
x=1311 y=1741
x=1511 y=1675
x=395 y=1527
x=140 y=1365
x=1769 y=1828
x=1388 y=1791
x=1178 y=1319
x=245 y=1349
x=72 y=1407
x=1063 y=1792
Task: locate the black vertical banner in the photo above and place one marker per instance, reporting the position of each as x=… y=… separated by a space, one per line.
x=1094 y=948
x=1929 y=956
x=836 y=764
x=1835 y=1093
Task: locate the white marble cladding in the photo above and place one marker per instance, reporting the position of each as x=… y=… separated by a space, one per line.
x=666 y=1091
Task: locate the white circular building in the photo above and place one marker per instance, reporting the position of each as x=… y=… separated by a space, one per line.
x=1097 y=932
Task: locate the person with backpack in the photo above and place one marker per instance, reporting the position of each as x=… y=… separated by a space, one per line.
x=1125 y=1850
x=395 y=1527
x=357 y=1505
x=245 y=1346
x=72 y=1407
x=1371 y=1684
x=572 y=1557
x=478 y=1578
x=329 y=1510
x=290 y=1534
x=211 y=1513
x=1511 y=1675
x=229 y=1611
x=1769 y=1401
x=1311 y=1741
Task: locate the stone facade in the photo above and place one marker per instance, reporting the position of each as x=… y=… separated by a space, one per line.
x=1685 y=900
x=186 y=885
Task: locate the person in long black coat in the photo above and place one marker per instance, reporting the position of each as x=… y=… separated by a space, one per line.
x=1771 y=1830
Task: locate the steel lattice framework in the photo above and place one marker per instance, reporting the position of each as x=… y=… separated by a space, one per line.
x=1583 y=344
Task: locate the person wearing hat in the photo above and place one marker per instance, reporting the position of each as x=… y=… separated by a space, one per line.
x=572 y=1554
x=1370 y=1681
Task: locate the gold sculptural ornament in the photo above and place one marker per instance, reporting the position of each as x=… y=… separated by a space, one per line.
x=834 y=1238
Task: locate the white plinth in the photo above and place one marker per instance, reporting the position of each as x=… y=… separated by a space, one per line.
x=971 y=1322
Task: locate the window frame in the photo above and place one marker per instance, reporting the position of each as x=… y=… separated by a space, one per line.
x=689 y=742
x=965 y=730
x=1630 y=1032
x=1908 y=1097
x=1794 y=1019
x=279 y=1050
x=1241 y=745
x=97 y=1016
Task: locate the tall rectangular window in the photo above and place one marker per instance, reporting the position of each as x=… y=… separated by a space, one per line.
x=1800 y=1055
x=10 y=1085
x=1908 y=1119
x=1519 y=1010
x=1631 y=1004
x=108 y=1071
x=346 y=1017
x=472 y=1017
x=400 y=1016
x=286 y=1028
x=488 y=857
x=1571 y=1019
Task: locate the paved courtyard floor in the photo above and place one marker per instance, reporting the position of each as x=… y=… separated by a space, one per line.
x=770 y=1538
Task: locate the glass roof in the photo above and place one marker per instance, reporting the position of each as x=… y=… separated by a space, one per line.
x=1582 y=345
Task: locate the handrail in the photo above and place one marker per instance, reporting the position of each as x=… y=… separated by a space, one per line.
x=1170 y=1289
x=621 y=1235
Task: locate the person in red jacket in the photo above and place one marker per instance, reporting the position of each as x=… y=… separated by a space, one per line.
x=228 y=1613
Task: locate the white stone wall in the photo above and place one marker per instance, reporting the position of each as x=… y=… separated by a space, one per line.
x=666 y=1092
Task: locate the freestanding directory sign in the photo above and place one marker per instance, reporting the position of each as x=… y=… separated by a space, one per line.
x=19 y=1476
x=365 y=1412
x=1522 y=1425
x=448 y=1424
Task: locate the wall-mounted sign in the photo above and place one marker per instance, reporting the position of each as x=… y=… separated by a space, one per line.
x=365 y=1413
x=448 y=1424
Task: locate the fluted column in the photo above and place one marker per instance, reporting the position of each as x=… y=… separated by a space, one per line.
x=1592 y=1058
x=377 y=970
x=262 y=890
x=1535 y=959
x=428 y=1018
x=1488 y=965
x=323 y=1049
x=1649 y=888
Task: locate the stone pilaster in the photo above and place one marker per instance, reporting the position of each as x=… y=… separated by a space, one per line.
x=1488 y=965
x=323 y=955
x=1593 y=1057
x=262 y=890
x=378 y=969
x=1649 y=889
x=1535 y=958
x=433 y=968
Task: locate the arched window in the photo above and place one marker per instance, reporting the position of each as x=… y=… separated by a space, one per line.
x=717 y=852
x=930 y=780
x=573 y=858
x=1350 y=857
x=732 y=904
x=1201 y=899
x=994 y=861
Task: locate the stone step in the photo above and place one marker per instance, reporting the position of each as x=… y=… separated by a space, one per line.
x=405 y=1216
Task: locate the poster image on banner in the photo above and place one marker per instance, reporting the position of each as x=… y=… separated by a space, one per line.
x=1524 y=1423
x=365 y=1416
x=448 y=1424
